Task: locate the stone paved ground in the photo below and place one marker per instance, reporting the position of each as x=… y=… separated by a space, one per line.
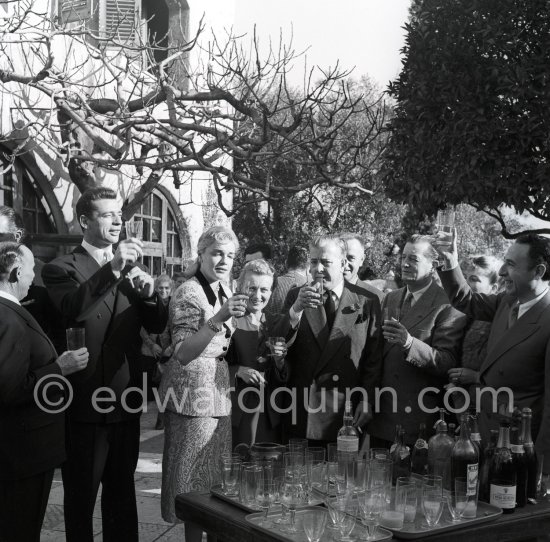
x=152 y=528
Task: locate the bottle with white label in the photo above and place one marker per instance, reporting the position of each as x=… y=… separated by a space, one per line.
x=465 y=464
x=502 y=472
x=348 y=438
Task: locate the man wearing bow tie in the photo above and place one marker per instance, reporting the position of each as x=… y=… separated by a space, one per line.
x=335 y=346
x=101 y=289
x=518 y=350
x=422 y=339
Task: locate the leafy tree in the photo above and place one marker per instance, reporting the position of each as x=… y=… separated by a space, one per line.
x=471 y=121
x=295 y=219
x=92 y=101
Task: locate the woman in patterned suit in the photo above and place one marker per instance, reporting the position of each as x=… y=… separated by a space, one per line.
x=196 y=383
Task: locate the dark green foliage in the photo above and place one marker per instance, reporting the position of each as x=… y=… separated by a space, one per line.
x=472 y=123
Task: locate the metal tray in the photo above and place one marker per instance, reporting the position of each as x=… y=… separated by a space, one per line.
x=485 y=513
x=217 y=492
x=300 y=536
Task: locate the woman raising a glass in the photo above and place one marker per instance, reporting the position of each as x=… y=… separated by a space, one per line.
x=196 y=379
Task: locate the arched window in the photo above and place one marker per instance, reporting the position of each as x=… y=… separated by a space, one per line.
x=163 y=235
x=19 y=190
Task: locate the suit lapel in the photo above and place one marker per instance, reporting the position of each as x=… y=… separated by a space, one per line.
x=29 y=319
x=519 y=332
x=317 y=320
x=86 y=266
x=345 y=318
x=421 y=309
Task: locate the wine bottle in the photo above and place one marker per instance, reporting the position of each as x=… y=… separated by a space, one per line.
x=518 y=454
x=484 y=488
x=395 y=439
x=530 y=456
x=401 y=458
x=452 y=432
x=465 y=464
x=502 y=472
x=419 y=456
x=440 y=447
x=475 y=435
x=347 y=440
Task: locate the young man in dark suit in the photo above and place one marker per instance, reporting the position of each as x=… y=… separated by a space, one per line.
x=335 y=347
x=32 y=421
x=518 y=350
x=101 y=289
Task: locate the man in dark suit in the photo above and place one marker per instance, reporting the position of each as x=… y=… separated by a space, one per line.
x=518 y=350
x=335 y=347
x=32 y=428
x=355 y=256
x=419 y=348
x=102 y=290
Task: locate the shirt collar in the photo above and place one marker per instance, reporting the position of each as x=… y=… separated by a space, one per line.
x=524 y=307
x=9 y=297
x=98 y=253
x=418 y=294
x=338 y=290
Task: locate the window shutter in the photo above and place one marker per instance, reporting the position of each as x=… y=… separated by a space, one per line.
x=122 y=18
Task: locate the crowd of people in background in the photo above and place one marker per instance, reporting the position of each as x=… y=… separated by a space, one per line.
x=472 y=323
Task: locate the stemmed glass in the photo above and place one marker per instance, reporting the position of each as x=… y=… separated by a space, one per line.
x=277 y=349
x=291 y=495
x=314 y=522
x=134 y=229
x=265 y=496
x=371 y=504
x=432 y=505
x=348 y=512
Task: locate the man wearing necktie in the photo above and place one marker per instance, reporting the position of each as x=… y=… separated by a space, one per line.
x=104 y=291
x=518 y=350
x=335 y=347
x=422 y=338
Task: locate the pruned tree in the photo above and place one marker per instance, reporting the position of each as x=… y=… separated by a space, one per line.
x=97 y=102
x=471 y=121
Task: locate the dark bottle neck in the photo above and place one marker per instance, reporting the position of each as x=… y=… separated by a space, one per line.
x=526 y=437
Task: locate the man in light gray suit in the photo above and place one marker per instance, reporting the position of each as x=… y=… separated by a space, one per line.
x=518 y=350
x=419 y=347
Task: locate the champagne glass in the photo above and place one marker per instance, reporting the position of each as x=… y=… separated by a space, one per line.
x=465 y=498
x=291 y=496
x=348 y=511
x=320 y=283
x=432 y=505
x=392 y=313
x=134 y=229
x=445 y=223
x=277 y=349
x=265 y=496
x=456 y=504
x=314 y=522
x=371 y=504
x=231 y=469
x=406 y=500
x=283 y=519
x=76 y=338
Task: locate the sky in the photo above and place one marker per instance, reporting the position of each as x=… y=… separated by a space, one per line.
x=365 y=34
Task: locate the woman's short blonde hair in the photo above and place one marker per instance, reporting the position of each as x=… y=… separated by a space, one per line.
x=258 y=267
x=215 y=234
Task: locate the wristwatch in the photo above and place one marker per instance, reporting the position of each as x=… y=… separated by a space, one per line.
x=216 y=328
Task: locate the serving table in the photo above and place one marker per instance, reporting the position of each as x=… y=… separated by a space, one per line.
x=225 y=522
